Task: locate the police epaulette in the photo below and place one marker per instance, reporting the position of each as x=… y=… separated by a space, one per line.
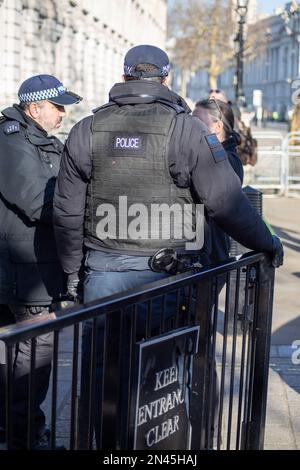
x=216 y=148
x=11 y=127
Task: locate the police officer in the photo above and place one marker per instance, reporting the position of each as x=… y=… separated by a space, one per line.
x=142 y=148
x=30 y=272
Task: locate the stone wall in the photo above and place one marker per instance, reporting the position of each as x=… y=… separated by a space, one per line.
x=82 y=42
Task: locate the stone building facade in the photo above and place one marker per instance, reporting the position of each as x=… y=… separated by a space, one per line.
x=82 y=42
x=272 y=71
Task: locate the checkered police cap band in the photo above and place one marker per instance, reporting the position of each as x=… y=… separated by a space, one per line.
x=42 y=94
x=146 y=54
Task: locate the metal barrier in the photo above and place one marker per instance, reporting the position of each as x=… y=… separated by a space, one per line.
x=291 y=149
x=278 y=164
x=179 y=370
x=269 y=171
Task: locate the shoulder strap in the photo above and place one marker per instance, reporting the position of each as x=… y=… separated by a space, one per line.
x=106 y=105
x=153 y=98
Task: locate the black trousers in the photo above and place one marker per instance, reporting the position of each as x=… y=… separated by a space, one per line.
x=21 y=371
x=6 y=318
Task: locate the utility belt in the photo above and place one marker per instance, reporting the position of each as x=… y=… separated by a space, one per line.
x=169 y=261
x=25 y=312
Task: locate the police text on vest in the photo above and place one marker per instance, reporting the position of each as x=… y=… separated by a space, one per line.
x=127 y=143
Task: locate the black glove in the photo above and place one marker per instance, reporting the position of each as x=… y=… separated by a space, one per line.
x=74 y=287
x=277 y=253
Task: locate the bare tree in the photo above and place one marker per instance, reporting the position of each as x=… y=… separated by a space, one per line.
x=203 y=33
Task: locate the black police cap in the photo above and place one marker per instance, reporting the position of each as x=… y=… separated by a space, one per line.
x=146 y=54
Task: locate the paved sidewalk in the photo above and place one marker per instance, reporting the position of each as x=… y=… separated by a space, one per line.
x=283 y=411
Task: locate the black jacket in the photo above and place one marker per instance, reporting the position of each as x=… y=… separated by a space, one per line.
x=192 y=162
x=220 y=241
x=230 y=145
x=30 y=272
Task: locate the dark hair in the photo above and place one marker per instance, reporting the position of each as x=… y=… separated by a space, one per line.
x=219 y=111
x=23 y=105
x=145 y=68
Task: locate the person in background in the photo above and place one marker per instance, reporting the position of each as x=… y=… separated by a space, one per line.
x=247 y=147
x=219 y=118
x=219 y=95
x=31 y=277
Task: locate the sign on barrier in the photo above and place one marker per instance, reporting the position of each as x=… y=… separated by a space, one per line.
x=163 y=389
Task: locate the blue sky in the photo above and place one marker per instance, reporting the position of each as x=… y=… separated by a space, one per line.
x=268 y=6
x=264 y=6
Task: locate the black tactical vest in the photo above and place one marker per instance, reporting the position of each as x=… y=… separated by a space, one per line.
x=133 y=206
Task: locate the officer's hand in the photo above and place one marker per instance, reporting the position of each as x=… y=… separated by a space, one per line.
x=277 y=253
x=74 y=291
